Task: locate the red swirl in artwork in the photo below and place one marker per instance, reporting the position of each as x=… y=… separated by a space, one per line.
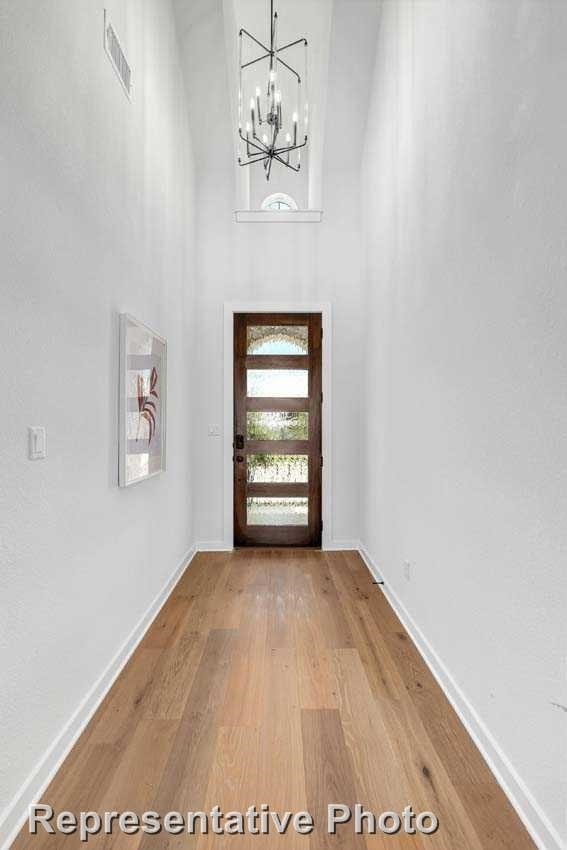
x=147 y=403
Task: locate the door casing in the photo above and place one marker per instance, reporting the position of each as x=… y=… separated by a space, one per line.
x=230 y=308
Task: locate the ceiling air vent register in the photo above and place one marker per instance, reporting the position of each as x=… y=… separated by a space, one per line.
x=116 y=55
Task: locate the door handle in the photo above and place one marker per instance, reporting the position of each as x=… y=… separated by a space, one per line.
x=239 y=441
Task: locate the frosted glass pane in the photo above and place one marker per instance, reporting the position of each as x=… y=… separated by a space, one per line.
x=283 y=469
x=277 y=425
x=277 y=339
x=265 y=510
x=277 y=383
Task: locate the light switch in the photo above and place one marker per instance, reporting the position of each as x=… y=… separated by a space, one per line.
x=214 y=430
x=37 y=442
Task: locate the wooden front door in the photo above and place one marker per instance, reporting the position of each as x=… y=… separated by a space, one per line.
x=277 y=429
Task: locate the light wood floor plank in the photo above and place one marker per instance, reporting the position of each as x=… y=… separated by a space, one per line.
x=185 y=780
x=171 y=686
x=281 y=744
x=328 y=776
x=314 y=658
x=381 y=671
x=137 y=778
x=244 y=694
x=233 y=784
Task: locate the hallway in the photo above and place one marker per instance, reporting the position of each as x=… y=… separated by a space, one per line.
x=284 y=273
x=280 y=677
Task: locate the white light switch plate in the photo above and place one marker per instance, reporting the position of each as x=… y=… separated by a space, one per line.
x=214 y=430
x=37 y=446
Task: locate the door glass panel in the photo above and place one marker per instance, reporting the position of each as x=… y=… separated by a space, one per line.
x=288 y=469
x=277 y=339
x=277 y=383
x=263 y=510
x=277 y=425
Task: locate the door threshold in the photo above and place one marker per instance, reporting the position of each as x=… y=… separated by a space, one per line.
x=259 y=548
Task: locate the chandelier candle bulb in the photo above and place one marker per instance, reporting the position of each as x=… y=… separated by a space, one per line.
x=306 y=88
x=258 y=93
x=253 y=120
x=273 y=91
x=240 y=82
x=295 y=119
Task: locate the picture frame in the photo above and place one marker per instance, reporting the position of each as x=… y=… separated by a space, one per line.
x=142 y=402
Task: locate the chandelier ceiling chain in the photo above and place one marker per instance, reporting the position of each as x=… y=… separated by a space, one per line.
x=269 y=109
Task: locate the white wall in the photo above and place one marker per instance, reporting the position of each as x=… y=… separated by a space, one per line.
x=97 y=218
x=465 y=452
x=290 y=263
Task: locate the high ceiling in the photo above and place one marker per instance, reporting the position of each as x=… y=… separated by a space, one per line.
x=342 y=38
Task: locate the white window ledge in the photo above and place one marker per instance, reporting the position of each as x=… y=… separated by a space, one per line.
x=278 y=216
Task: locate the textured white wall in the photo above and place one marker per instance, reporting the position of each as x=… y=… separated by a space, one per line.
x=465 y=452
x=96 y=218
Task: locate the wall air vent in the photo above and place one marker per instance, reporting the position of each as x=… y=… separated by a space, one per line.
x=116 y=55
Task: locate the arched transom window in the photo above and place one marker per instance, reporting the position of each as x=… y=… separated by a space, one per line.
x=279 y=201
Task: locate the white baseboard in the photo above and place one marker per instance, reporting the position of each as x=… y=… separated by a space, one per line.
x=533 y=817
x=16 y=813
x=342 y=546
x=213 y=546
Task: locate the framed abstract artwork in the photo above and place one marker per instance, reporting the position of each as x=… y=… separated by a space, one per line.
x=143 y=391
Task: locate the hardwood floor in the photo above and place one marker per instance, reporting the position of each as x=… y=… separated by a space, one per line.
x=280 y=677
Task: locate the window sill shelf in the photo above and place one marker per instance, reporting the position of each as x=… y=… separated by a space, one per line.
x=274 y=217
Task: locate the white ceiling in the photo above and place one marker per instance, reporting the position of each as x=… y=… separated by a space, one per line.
x=342 y=38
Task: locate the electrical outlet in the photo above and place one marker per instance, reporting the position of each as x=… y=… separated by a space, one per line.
x=214 y=430
x=407 y=570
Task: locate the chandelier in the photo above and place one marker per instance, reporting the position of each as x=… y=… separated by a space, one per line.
x=262 y=131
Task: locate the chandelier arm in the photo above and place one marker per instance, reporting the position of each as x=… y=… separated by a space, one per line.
x=289 y=68
x=254 y=145
x=256 y=157
x=291 y=147
x=287 y=164
x=292 y=44
x=251 y=161
x=259 y=43
x=253 y=62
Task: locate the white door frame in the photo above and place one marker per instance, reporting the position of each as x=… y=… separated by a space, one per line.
x=230 y=308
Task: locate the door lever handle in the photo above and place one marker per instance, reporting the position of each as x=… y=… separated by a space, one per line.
x=239 y=441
